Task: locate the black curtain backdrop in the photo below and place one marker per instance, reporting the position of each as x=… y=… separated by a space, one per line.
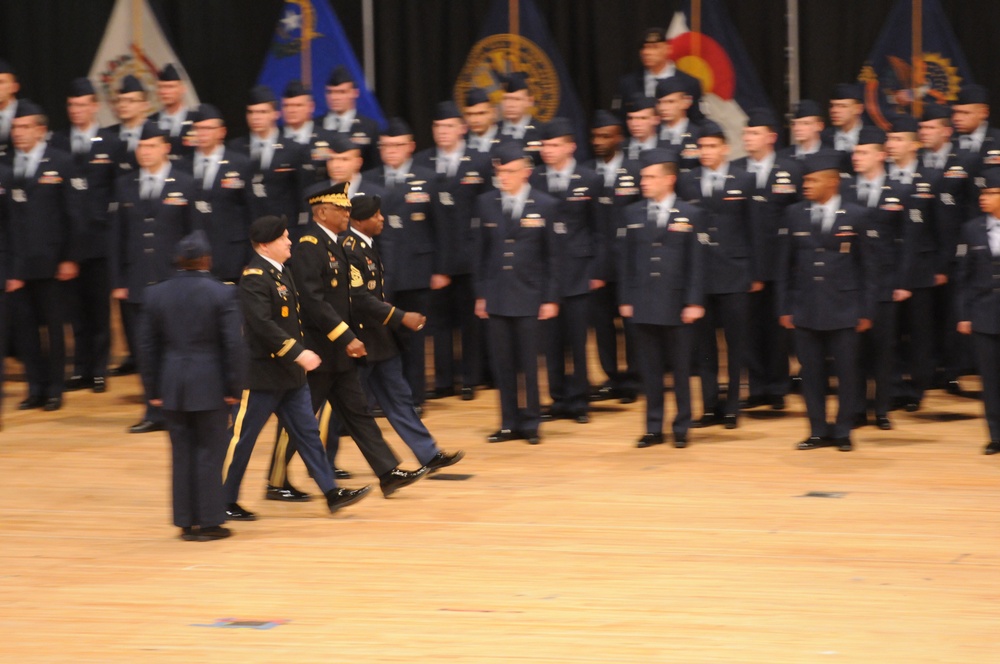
x=421 y=44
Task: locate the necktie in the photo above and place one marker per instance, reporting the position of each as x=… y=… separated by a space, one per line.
x=206 y=174
x=653 y=212
x=199 y=170
x=716 y=182
x=21 y=167
x=79 y=144
x=817 y=217
x=966 y=142
x=633 y=151
x=146 y=191
x=863 y=190
x=508 y=209
x=993 y=235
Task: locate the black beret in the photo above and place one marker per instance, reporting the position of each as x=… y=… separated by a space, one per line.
x=990 y=178
x=807 y=108
x=364 y=207
x=446 y=110
x=169 y=73
x=973 y=94
x=192 y=246
x=936 y=112
x=476 y=96
x=323 y=192
x=670 y=85
x=397 y=127
x=654 y=35
x=261 y=94
x=5 y=68
x=80 y=87
x=507 y=152
x=295 y=89
x=658 y=156
x=339 y=76
x=557 y=128
x=515 y=81
x=267 y=229
x=339 y=144
x=130 y=84
x=761 y=117
x=604 y=118
x=207 y=112
x=151 y=130
x=904 y=123
x=26 y=107
x=639 y=102
x=847 y=91
x=871 y=135
x=710 y=129
x=823 y=160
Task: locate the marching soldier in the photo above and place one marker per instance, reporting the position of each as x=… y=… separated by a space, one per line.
x=93 y=151
x=343 y=117
x=175 y=118
x=276 y=380
x=660 y=285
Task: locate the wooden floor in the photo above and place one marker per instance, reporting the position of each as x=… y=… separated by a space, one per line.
x=583 y=549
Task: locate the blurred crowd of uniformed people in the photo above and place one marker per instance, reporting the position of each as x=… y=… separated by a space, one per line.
x=871 y=255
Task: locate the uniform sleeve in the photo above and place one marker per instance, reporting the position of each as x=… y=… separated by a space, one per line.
x=308 y=260
x=481 y=256
x=119 y=236
x=869 y=266
x=150 y=349
x=785 y=256
x=255 y=298
x=234 y=350
x=555 y=249
x=965 y=273
x=695 y=292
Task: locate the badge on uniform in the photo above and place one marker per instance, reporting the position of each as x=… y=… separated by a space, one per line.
x=371 y=284
x=356 y=279
x=284 y=312
x=418 y=216
x=333 y=283
x=417 y=197
x=681 y=226
x=18 y=195
x=533 y=221
x=50 y=177
x=845 y=247
x=283 y=292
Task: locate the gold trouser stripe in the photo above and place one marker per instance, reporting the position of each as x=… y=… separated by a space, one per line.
x=279 y=469
x=391 y=312
x=324 y=421
x=237 y=428
x=337 y=331
x=285 y=347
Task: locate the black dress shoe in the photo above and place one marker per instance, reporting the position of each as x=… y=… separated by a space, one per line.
x=680 y=440
x=707 y=420
x=911 y=406
x=78 y=382
x=337 y=498
x=31 y=403
x=581 y=418
x=189 y=534
x=755 y=401
x=993 y=447
x=650 y=439
x=126 y=368
x=777 y=402
x=603 y=393
x=843 y=444
x=147 y=426
x=440 y=393
x=502 y=436
x=236 y=513
x=813 y=443
x=729 y=421
x=953 y=387
x=213 y=533
x=100 y=385
x=883 y=423
x=397 y=478
x=52 y=403
x=626 y=396
x=468 y=394
x=287 y=493
x=532 y=437
x=341 y=474
x=442 y=460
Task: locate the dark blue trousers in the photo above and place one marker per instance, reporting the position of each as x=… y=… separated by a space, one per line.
x=514 y=342
x=813 y=347
x=198 y=447
x=567 y=334
x=386 y=382
x=658 y=345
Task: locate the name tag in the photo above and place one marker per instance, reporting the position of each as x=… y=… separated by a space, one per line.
x=175 y=201
x=845 y=247
x=417 y=197
x=532 y=221
x=48 y=178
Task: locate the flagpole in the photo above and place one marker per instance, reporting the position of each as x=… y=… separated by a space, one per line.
x=917 y=32
x=307 y=32
x=136 y=33
x=792 y=16
x=514 y=26
x=696 y=28
x=368 y=27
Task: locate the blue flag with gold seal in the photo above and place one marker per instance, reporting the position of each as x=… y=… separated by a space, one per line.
x=308 y=44
x=522 y=42
x=892 y=84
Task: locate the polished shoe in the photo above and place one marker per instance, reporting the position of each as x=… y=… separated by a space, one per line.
x=532 y=437
x=189 y=534
x=707 y=420
x=911 y=406
x=626 y=396
x=213 y=533
x=883 y=423
x=503 y=435
x=468 y=394
x=993 y=447
x=843 y=444
x=236 y=513
x=603 y=393
x=755 y=401
x=953 y=387
x=31 y=403
x=337 y=498
x=442 y=460
x=100 y=385
x=729 y=421
x=581 y=418
x=554 y=413
x=813 y=443
x=418 y=409
x=78 y=382
x=397 y=478
x=777 y=402
x=341 y=474
x=287 y=493
x=650 y=439
x=147 y=426
x=680 y=440
x=126 y=368
x=52 y=403
x=440 y=393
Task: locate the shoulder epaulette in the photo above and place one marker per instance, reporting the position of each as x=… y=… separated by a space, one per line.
x=308 y=238
x=252 y=270
x=349 y=242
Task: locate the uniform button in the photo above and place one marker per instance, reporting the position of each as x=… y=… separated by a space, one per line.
x=818 y=264
x=509 y=241
x=508 y=254
x=654 y=258
x=148 y=250
x=148 y=220
x=508 y=267
x=147 y=235
x=654 y=274
x=820 y=250
x=817 y=278
x=657 y=244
